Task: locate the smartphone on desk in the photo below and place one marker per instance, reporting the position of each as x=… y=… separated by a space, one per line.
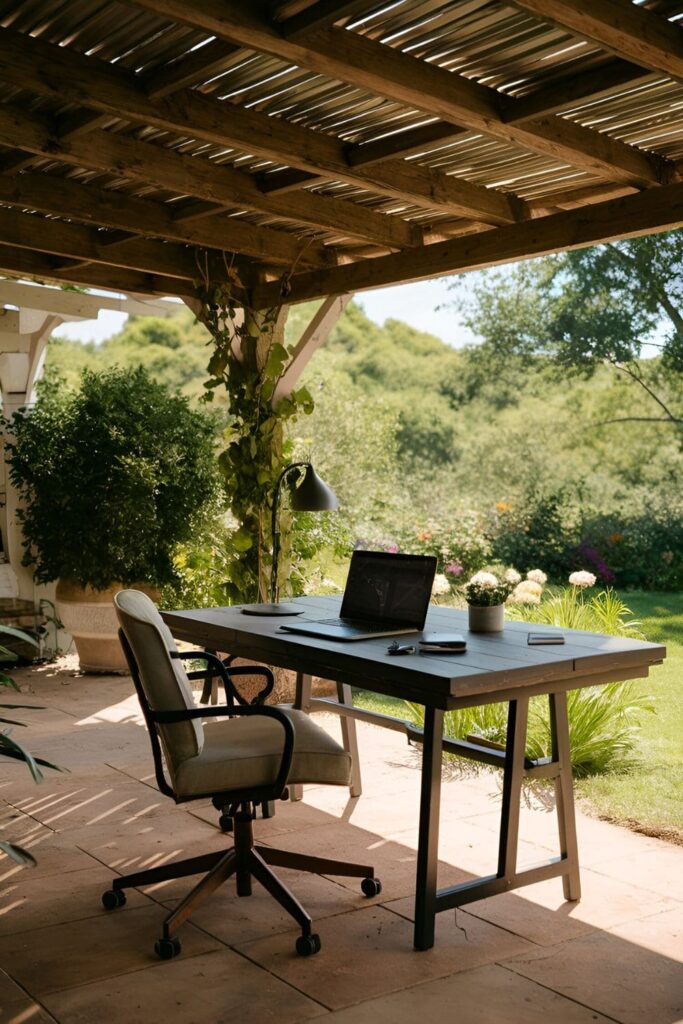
x=540 y=639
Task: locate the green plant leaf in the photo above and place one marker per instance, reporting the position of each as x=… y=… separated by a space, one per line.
x=18 y=854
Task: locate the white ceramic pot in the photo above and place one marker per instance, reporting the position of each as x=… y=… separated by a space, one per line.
x=486 y=620
x=89 y=616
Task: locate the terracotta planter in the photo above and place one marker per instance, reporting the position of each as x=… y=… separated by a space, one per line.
x=89 y=616
x=486 y=620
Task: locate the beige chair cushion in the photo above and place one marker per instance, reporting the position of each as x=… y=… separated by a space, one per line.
x=163 y=678
x=243 y=752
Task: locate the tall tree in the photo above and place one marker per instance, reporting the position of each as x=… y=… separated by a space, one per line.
x=605 y=305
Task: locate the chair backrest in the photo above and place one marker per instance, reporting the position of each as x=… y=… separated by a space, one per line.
x=163 y=678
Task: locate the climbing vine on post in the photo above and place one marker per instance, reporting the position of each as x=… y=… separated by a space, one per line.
x=248 y=360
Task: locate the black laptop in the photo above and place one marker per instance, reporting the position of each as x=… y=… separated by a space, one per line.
x=385 y=595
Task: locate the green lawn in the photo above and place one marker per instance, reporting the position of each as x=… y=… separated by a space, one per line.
x=650 y=796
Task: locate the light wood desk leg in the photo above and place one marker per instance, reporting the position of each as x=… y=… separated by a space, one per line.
x=564 y=795
x=302 y=702
x=428 y=836
x=350 y=739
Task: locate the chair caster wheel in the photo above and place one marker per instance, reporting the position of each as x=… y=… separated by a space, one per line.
x=284 y=795
x=308 y=945
x=371 y=886
x=167 y=948
x=113 y=898
x=225 y=823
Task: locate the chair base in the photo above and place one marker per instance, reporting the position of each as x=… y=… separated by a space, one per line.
x=246 y=861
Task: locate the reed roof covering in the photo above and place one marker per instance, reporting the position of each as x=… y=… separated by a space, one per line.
x=147 y=145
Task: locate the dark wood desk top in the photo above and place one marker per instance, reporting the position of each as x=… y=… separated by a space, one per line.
x=492 y=666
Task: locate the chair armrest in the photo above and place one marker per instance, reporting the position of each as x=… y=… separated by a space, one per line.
x=255 y=670
x=236 y=670
x=230 y=711
x=215 y=667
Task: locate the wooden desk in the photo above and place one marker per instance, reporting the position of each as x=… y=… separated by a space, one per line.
x=495 y=667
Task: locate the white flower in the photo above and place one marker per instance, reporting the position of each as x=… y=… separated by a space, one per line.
x=582 y=579
x=520 y=595
x=537 y=576
x=512 y=576
x=484 y=579
x=441 y=585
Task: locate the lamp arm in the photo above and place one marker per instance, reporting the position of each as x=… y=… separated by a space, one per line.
x=275 y=529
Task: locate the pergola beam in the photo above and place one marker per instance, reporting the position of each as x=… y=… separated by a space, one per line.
x=51 y=70
x=60 y=238
x=114 y=209
x=387 y=71
x=23 y=263
x=319 y=15
x=185 y=175
x=654 y=210
x=619 y=26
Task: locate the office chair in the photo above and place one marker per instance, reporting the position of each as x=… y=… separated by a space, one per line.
x=245 y=758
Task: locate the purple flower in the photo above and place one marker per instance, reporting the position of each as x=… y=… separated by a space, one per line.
x=391 y=549
x=454 y=568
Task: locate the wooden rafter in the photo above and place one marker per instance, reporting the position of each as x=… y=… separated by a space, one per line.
x=657 y=209
x=113 y=209
x=386 y=71
x=23 y=263
x=59 y=238
x=51 y=70
x=619 y=26
x=198 y=177
x=318 y=15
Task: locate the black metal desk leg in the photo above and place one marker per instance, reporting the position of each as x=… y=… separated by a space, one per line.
x=513 y=775
x=428 y=840
x=564 y=795
x=302 y=701
x=350 y=739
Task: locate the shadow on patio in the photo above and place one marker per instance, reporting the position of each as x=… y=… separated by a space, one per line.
x=527 y=957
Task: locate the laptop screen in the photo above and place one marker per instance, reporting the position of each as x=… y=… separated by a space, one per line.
x=389 y=588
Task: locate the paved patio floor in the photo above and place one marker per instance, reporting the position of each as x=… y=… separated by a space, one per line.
x=520 y=957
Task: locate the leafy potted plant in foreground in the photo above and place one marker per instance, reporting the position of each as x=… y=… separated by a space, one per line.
x=113 y=477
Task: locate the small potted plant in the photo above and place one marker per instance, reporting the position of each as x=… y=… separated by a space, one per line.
x=112 y=478
x=486 y=595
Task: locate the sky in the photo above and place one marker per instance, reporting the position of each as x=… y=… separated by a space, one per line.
x=416 y=304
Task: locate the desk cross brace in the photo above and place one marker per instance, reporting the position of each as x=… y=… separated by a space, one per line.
x=516 y=766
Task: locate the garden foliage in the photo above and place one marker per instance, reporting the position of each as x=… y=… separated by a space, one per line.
x=113 y=476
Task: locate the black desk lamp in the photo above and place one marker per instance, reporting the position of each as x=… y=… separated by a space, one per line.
x=312 y=495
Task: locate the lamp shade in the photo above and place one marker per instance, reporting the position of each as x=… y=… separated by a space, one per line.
x=313 y=494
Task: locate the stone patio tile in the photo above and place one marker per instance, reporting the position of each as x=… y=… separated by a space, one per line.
x=80 y=804
x=54 y=854
x=485 y=995
x=658 y=869
x=78 y=952
x=144 y=843
x=213 y=988
x=27 y=902
x=394 y=862
x=660 y=933
x=621 y=973
x=18 y=1008
x=519 y=914
x=605 y=902
x=370 y=953
x=236 y=920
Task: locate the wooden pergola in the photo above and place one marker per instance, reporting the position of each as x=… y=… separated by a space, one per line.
x=347 y=145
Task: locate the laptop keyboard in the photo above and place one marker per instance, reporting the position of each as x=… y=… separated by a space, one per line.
x=366 y=625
